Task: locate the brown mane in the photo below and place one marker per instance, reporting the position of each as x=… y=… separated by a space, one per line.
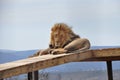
x=61 y=33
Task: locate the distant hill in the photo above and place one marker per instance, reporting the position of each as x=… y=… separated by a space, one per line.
x=11 y=55
x=103 y=47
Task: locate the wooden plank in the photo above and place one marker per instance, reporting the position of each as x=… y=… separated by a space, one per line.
x=41 y=62
x=105 y=54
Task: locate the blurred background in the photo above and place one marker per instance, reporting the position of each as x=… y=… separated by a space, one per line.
x=26 y=24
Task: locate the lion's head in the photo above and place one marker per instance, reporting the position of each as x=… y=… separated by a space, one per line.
x=61 y=34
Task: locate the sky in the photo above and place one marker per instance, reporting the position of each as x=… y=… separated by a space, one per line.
x=26 y=24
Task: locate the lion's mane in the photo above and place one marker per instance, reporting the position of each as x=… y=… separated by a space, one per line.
x=61 y=34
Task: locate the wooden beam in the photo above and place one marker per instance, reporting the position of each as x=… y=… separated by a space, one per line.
x=30 y=65
x=41 y=62
x=104 y=54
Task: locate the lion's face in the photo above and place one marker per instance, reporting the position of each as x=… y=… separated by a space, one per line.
x=60 y=34
x=59 y=38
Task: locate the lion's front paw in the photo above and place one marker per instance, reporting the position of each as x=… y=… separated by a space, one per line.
x=55 y=52
x=58 y=51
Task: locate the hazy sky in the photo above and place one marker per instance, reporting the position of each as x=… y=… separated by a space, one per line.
x=25 y=24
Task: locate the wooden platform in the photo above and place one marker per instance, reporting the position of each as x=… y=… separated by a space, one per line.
x=41 y=62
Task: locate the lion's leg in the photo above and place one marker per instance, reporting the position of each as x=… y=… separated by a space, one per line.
x=58 y=51
x=41 y=52
x=85 y=44
x=44 y=52
x=78 y=44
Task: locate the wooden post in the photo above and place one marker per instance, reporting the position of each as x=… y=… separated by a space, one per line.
x=33 y=75
x=109 y=70
x=36 y=74
x=30 y=76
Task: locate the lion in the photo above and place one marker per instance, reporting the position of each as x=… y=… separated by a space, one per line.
x=64 y=40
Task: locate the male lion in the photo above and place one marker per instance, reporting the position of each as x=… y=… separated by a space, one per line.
x=64 y=40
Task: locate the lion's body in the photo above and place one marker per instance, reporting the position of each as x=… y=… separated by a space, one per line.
x=64 y=40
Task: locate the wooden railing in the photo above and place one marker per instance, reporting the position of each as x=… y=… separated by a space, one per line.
x=32 y=65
